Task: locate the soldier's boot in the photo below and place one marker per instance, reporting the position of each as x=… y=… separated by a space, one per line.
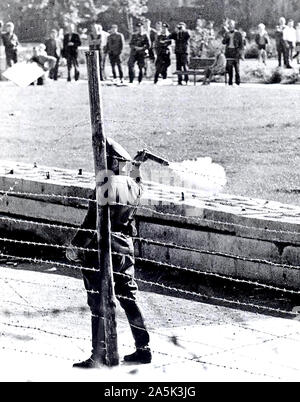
x=94 y=361
x=77 y=75
x=140 y=356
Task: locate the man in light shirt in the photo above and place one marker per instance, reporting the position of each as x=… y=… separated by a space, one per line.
x=289 y=35
x=281 y=43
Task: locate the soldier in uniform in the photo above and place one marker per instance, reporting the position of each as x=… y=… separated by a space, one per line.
x=114 y=48
x=181 y=37
x=126 y=188
x=10 y=43
x=70 y=51
x=163 y=53
x=139 y=46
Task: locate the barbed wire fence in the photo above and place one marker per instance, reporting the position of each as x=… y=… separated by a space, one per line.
x=154 y=285
x=14 y=252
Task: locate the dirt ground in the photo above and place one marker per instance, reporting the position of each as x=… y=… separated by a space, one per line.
x=253 y=130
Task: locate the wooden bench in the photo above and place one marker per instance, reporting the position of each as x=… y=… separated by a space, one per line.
x=198 y=66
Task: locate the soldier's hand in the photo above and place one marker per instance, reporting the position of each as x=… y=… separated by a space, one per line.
x=72 y=254
x=141 y=156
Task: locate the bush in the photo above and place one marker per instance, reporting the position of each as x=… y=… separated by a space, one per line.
x=267 y=75
x=281 y=76
x=251 y=50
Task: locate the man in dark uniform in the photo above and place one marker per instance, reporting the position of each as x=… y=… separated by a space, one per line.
x=124 y=188
x=114 y=48
x=181 y=37
x=139 y=46
x=70 y=51
x=163 y=53
x=234 y=43
x=10 y=43
x=54 y=48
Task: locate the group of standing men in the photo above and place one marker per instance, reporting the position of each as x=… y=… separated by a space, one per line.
x=142 y=44
x=146 y=44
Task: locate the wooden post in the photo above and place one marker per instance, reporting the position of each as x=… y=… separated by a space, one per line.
x=107 y=333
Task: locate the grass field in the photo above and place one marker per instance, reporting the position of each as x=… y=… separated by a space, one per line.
x=253 y=131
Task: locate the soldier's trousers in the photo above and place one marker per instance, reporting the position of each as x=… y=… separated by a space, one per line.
x=125 y=290
x=140 y=60
x=182 y=65
x=162 y=64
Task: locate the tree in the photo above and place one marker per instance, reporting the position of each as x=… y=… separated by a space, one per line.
x=131 y=9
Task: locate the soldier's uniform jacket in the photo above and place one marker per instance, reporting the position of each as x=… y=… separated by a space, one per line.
x=115 y=44
x=121 y=190
x=162 y=44
x=140 y=41
x=181 y=39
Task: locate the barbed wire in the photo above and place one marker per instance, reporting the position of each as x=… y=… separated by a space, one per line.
x=177 y=290
x=48 y=225
x=172 y=355
x=25 y=351
x=152 y=211
x=213 y=253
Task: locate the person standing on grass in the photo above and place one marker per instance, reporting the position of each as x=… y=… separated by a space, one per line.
x=70 y=51
x=125 y=188
x=163 y=53
x=297 y=55
x=98 y=41
x=233 y=41
x=139 y=47
x=182 y=38
x=10 y=43
x=114 y=48
x=281 y=44
x=152 y=35
x=54 y=49
x=289 y=35
x=262 y=40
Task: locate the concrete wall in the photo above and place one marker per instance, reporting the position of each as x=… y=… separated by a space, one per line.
x=238 y=231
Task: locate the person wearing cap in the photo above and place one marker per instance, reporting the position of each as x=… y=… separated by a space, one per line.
x=124 y=188
x=181 y=37
x=233 y=41
x=10 y=43
x=139 y=47
x=114 y=48
x=54 y=48
x=163 y=53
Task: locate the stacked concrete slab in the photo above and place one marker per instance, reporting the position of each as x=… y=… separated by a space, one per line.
x=234 y=236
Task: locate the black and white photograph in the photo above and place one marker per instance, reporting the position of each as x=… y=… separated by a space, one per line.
x=150 y=194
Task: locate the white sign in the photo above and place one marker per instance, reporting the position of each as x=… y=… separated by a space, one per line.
x=23 y=74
